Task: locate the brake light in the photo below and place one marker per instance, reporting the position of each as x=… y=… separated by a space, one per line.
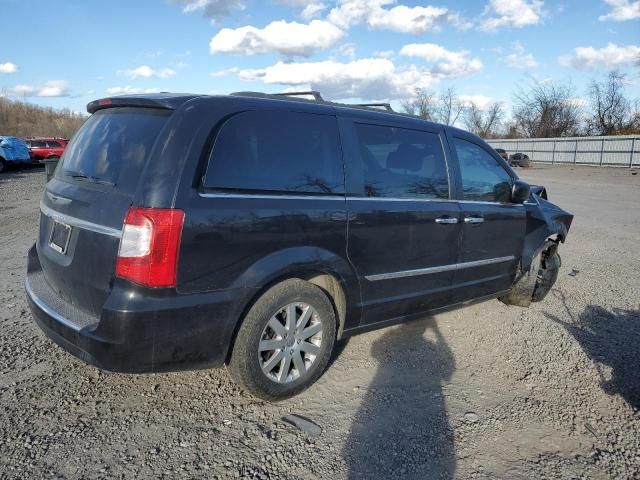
x=149 y=246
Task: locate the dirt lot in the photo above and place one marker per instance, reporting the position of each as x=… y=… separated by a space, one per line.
x=488 y=391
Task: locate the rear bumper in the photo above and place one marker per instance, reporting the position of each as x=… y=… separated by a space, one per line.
x=158 y=331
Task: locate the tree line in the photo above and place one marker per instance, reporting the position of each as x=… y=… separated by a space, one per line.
x=22 y=119
x=541 y=110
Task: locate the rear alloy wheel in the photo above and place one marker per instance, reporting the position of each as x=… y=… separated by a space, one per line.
x=290 y=343
x=285 y=341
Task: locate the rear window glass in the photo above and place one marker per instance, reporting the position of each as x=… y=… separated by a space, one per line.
x=113 y=146
x=277 y=151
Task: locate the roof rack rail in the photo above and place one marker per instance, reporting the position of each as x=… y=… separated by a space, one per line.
x=314 y=93
x=386 y=106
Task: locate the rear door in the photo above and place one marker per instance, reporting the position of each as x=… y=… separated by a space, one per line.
x=404 y=226
x=55 y=148
x=38 y=149
x=84 y=205
x=493 y=228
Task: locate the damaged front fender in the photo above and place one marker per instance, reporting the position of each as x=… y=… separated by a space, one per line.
x=547 y=227
x=544 y=221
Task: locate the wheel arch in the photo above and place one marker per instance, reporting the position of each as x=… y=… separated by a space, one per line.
x=331 y=273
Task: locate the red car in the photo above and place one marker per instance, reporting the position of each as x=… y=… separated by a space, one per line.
x=46 y=148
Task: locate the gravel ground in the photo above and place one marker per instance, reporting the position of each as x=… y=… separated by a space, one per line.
x=488 y=391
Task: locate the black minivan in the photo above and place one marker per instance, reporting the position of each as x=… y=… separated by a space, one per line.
x=254 y=230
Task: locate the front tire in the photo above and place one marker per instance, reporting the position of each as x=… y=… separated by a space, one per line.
x=547 y=275
x=285 y=341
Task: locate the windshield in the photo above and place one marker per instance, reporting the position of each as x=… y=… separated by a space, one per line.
x=113 y=146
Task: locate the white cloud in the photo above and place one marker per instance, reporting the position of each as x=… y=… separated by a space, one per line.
x=367 y=78
x=399 y=18
x=447 y=63
x=52 y=88
x=313 y=9
x=225 y=72
x=481 y=101
x=347 y=50
x=286 y=38
x=310 y=8
x=621 y=10
x=523 y=60
x=519 y=58
x=384 y=53
x=129 y=90
x=8 y=67
x=611 y=56
x=514 y=13
x=213 y=9
x=145 y=71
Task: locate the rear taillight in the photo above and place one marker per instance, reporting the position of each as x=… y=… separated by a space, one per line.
x=149 y=246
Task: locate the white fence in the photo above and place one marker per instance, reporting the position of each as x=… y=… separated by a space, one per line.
x=623 y=150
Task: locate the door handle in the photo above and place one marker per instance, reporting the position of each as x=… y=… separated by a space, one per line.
x=473 y=220
x=446 y=220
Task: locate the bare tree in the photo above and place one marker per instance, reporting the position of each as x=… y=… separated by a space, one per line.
x=611 y=110
x=547 y=110
x=24 y=120
x=423 y=105
x=449 y=107
x=445 y=107
x=483 y=122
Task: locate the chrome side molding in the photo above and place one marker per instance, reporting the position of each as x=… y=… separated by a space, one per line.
x=438 y=269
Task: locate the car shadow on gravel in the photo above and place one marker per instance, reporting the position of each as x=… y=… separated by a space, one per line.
x=401 y=429
x=611 y=338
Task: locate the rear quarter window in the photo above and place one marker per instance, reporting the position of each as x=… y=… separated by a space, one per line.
x=277 y=151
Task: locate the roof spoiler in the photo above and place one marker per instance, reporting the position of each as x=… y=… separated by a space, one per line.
x=166 y=101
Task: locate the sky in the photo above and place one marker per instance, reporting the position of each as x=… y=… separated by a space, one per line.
x=65 y=53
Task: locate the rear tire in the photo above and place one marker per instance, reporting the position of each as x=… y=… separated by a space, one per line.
x=3 y=165
x=285 y=341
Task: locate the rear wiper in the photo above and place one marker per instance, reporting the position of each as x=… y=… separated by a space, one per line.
x=91 y=178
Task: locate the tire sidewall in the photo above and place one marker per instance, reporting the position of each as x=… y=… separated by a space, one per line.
x=245 y=364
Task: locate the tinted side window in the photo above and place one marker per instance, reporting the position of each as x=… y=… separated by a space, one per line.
x=52 y=144
x=402 y=163
x=37 y=144
x=277 y=151
x=483 y=179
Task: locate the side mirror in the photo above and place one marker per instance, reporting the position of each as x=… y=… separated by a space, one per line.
x=520 y=191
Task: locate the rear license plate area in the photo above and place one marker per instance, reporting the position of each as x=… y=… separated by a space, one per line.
x=59 y=239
